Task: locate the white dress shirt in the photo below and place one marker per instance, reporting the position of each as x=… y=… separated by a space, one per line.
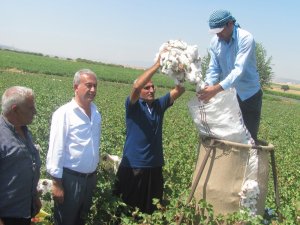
x=74 y=140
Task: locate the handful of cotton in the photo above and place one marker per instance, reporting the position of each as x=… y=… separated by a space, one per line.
x=181 y=62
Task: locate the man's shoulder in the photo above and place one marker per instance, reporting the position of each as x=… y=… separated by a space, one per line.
x=241 y=33
x=164 y=97
x=64 y=108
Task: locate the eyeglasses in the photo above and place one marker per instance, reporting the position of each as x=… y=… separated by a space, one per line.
x=148 y=87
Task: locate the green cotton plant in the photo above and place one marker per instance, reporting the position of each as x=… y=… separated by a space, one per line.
x=180 y=140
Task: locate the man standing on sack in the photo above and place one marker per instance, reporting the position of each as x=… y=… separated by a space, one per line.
x=73 y=154
x=233 y=64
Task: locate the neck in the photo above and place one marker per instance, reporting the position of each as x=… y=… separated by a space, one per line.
x=85 y=106
x=20 y=131
x=13 y=120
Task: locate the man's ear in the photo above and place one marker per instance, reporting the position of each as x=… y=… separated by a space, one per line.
x=75 y=86
x=14 y=108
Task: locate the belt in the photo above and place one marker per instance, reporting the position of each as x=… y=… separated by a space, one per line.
x=78 y=174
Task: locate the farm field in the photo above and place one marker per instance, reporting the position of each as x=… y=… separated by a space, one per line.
x=293 y=88
x=51 y=79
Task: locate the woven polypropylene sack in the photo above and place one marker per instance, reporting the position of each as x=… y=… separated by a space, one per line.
x=220 y=118
x=224 y=174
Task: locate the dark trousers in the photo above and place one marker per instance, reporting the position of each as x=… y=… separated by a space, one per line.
x=78 y=192
x=16 y=221
x=138 y=187
x=251 y=111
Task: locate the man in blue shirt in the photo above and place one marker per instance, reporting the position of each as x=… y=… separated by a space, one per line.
x=233 y=64
x=139 y=177
x=19 y=159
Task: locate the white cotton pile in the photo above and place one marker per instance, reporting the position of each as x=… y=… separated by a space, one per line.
x=111 y=162
x=249 y=195
x=44 y=186
x=181 y=62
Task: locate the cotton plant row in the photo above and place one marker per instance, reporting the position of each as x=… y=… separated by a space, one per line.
x=181 y=62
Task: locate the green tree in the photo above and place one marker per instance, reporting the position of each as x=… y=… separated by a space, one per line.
x=285 y=87
x=263 y=65
x=204 y=63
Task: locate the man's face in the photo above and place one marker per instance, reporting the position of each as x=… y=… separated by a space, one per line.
x=148 y=92
x=87 y=88
x=226 y=33
x=26 y=111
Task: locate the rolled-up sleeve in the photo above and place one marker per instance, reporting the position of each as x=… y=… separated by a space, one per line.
x=214 y=69
x=246 y=46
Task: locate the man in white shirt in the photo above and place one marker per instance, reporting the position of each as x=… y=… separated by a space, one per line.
x=73 y=153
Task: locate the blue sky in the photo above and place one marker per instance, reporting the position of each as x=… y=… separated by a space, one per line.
x=130 y=32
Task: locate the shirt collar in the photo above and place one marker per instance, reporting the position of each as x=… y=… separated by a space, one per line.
x=10 y=125
x=233 y=36
x=234 y=32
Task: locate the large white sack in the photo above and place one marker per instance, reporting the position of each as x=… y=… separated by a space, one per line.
x=220 y=118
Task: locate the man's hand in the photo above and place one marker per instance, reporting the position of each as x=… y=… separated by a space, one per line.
x=58 y=191
x=38 y=204
x=208 y=92
x=1 y=222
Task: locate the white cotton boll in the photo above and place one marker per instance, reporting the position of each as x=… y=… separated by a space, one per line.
x=163 y=47
x=184 y=61
x=192 y=52
x=200 y=86
x=111 y=162
x=195 y=76
x=178 y=60
x=249 y=194
x=44 y=186
x=178 y=44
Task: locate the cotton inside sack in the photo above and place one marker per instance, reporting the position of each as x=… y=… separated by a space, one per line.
x=220 y=118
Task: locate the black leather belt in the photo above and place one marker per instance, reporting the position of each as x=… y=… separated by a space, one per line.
x=78 y=174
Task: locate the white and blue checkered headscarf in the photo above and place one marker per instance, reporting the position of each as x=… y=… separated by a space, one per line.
x=218 y=19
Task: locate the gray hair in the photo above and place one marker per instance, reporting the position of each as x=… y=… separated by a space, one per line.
x=81 y=72
x=15 y=95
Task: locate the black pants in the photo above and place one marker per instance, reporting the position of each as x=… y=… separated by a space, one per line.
x=138 y=186
x=16 y=221
x=77 y=199
x=251 y=111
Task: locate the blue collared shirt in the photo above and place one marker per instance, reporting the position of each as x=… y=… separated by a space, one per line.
x=19 y=172
x=143 y=146
x=233 y=64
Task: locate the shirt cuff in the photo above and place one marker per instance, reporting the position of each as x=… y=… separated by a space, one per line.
x=225 y=85
x=56 y=173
